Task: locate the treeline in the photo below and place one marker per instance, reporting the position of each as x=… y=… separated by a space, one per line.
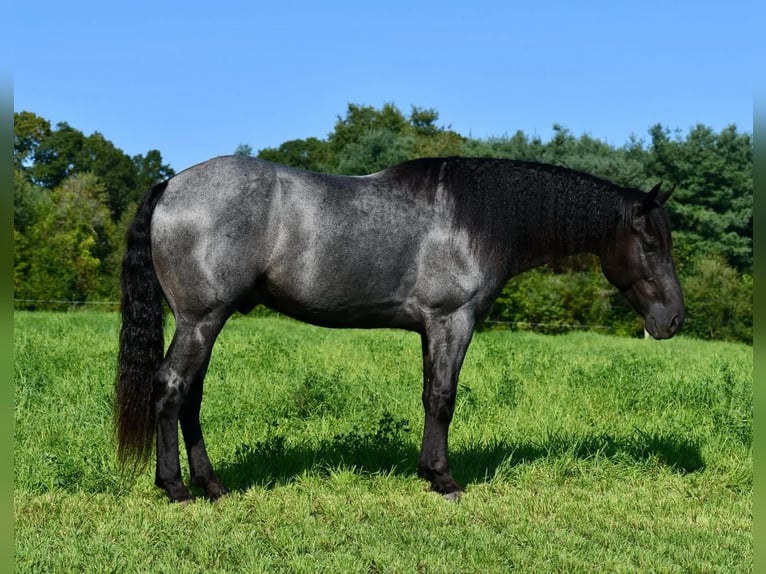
x=73 y=196
x=74 y=193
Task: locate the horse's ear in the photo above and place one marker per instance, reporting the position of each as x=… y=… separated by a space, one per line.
x=651 y=197
x=663 y=197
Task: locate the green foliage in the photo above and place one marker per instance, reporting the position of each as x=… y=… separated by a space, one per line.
x=555 y=302
x=360 y=121
x=317 y=394
x=631 y=455
x=244 y=149
x=719 y=302
x=310 y=154
x=374 y=151
x=367 y=140
x=29 y=131
x=68 y=252
x=29 y=202
x=621 y=165
x=72 y=197
x=49 y=156
x=713 y=205
x=150 y=171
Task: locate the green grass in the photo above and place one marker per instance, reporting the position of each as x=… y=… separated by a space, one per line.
x=580 y=453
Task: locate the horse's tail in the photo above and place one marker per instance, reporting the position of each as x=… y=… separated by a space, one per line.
x=142 y=339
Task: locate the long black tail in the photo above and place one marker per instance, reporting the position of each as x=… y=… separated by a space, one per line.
x=142 y=340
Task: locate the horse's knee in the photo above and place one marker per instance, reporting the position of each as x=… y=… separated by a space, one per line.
x=441 y=405
x=446 y=405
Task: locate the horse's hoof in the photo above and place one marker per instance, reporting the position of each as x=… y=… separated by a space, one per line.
x=180 y=497
x=453 y=496
x=214 y=492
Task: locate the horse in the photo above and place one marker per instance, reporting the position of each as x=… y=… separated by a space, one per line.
x=425 y=246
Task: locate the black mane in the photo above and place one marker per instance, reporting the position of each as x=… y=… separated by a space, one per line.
x=521 y=207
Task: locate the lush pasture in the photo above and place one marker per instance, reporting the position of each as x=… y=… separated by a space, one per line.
x=580 y=453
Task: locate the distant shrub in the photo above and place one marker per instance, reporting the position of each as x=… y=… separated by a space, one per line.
x=719 y=301
x=553 y=302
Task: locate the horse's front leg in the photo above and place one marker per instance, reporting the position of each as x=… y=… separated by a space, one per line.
x=444 y=344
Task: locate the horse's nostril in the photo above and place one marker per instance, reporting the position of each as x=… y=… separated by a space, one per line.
x=674 y=323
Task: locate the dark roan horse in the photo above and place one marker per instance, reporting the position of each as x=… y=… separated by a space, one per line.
x=425 y=246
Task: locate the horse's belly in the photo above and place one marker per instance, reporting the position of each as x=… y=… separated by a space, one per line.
x=339 y=307
x=342 y=288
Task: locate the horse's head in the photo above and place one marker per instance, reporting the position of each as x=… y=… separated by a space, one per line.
x=639 y=263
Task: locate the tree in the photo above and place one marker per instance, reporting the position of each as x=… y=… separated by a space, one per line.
x=28 y=201
x=70 y=194
x=244 y=149
x=431 y=140
x=360 y=121
x=29 y=131
x=719 y=301
x=712 y=209
x=48 y=156
x=375 y=150
x=310 y=154
x=68 y=253
x=151 y=171
x=367 y=139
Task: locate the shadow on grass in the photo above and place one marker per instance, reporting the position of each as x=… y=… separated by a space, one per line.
x=679 y=454
x=389 y=450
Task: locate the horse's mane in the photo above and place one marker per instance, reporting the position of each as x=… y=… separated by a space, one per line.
x=508 y=204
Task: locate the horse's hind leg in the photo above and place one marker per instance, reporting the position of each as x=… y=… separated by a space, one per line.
x=201 y=470
x=178 y=394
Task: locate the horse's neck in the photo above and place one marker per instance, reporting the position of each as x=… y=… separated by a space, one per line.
x=553 y=223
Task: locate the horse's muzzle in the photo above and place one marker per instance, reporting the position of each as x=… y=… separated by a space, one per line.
x=663 y=326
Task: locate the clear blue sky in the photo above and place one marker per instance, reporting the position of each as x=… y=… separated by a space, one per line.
x=195 y=79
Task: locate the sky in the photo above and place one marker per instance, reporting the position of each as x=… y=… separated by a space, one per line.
x=196 y=79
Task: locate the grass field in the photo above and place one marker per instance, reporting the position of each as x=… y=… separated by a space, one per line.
x=580 y=453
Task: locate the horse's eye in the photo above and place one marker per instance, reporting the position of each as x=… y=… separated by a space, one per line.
x=651 y=244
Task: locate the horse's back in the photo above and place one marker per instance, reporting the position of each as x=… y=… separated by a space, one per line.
x=343 y=251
